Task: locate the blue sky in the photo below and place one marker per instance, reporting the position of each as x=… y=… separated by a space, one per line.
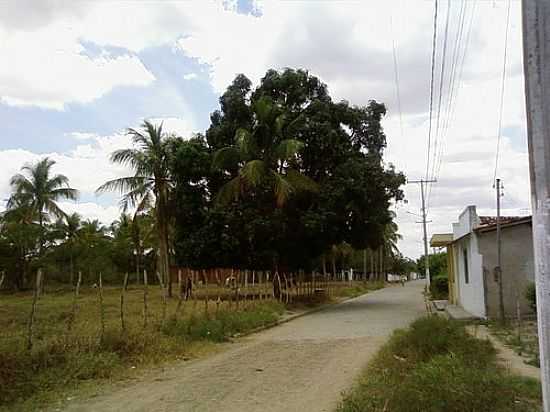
x=79 y=73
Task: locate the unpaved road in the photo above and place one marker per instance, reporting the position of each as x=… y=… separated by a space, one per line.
x=303 y=365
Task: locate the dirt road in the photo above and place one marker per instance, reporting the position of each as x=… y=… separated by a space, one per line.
x=302 y=365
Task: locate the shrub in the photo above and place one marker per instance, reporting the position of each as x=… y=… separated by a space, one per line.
x=439 y=287
x=531 y=295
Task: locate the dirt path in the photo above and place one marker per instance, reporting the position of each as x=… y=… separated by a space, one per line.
x=302 y=365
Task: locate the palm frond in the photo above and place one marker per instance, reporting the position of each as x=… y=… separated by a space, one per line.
x=64 y=193
x=301 y=182
x=245 y=142
x=253 y=172
x=282 y=189
x=263 y=108
x=122 y=184
x=229 y=192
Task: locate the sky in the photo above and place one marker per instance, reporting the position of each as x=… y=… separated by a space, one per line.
x=75 y=75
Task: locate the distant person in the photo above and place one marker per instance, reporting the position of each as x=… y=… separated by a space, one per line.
x=403 y=279
x=188 y=288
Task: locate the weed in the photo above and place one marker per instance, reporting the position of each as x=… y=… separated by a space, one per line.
x=436 y=366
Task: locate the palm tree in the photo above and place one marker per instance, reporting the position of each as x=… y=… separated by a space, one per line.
x=39 y=191
x=389 y=242
x=263 y=157
x=149 y=184
x=69 y=228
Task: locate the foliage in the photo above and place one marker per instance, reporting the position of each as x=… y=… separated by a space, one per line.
x=531 y=295
x=150 y=184
x=293 y=175
x=439 y=287
x=438 y=264
x=436 y=366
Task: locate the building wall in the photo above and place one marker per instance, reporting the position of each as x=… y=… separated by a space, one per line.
x=517 y=268
x=471 y=291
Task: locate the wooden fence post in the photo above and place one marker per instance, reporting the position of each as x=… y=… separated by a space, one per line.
x=163 y=295
x=145 y=293
x=124 y=287
x=33 y=308
x=101 y=310
x=72 y=317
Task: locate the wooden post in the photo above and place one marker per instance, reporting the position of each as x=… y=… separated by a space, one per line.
x=163 y=296
x=101 y=310
x=145 y=293
x=180 y=295
x=74 y=308
x=2 y=279
x=33 y=308
x=124 y=287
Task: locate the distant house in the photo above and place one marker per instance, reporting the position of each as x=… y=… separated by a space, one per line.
x=471 y=254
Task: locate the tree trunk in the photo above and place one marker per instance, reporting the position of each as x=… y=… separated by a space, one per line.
x=371 y=264
x=162 y=222
x=333 y=257
x=72 y=267
x=364 y=277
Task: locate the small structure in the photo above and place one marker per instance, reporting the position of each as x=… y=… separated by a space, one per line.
x=471 y=261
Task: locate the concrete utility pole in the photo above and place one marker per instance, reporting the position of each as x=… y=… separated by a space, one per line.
x=498 y=269
x=536 y=60
x=426 y=250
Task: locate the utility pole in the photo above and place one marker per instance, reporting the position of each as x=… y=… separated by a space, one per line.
x=536 y=60
x=426 y=250
x=498 y=269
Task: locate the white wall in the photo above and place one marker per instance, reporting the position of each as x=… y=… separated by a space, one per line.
x=471 y=295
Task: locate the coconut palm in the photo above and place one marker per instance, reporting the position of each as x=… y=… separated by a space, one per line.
x=69 y=229
x=38 y=191
x=263 y=157
x=149 y=184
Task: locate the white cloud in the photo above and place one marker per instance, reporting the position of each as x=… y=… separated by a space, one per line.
x=348 y=44
x=57 y=72
x=176 y=125
x=190 y=76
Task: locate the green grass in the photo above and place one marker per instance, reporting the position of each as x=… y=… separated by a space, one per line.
x=436 y=366
x=62 y=362
x=358 y=289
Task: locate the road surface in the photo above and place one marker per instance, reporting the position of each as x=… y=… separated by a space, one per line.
x=303 y=365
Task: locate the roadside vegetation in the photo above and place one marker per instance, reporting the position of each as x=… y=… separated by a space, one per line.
x=82 y=343
x=436 y=366
x=284 y=181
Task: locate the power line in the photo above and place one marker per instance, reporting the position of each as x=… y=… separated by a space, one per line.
x=503 y=80
x=455 y=88
x=454 y=85
x=434 y=44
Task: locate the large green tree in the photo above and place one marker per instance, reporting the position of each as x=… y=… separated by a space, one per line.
x=267 y=146
x=150 y=183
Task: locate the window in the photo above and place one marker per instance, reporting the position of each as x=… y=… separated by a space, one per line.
x=465 y=260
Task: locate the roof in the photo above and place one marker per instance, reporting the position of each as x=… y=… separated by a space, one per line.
x=488 y=223
x=441 y=239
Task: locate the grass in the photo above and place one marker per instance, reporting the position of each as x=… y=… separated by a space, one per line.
x=358 y=289
x=523 y=341
x=436 y=366
x=63 y=363
x=60 y=361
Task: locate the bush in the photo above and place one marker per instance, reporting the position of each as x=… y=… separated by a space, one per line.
x=531 y=295
x=439 y=287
